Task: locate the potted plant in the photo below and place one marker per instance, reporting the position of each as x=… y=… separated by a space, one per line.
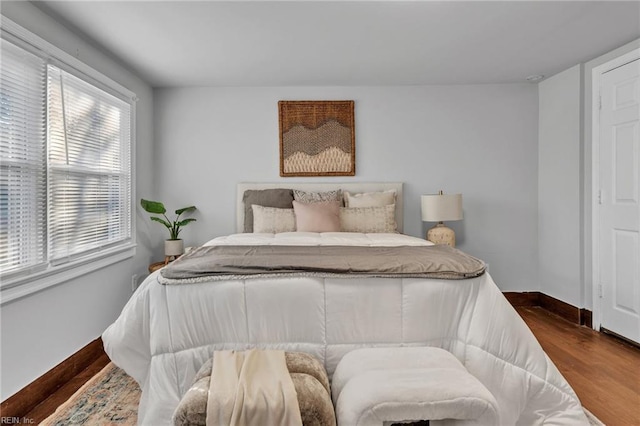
x=174 y=246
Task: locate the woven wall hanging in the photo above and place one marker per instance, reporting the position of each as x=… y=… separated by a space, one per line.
x=317 y=138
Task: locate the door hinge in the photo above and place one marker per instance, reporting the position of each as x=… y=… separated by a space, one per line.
x=599 y=197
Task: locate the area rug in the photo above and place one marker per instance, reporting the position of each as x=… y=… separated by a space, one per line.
x=111 y=398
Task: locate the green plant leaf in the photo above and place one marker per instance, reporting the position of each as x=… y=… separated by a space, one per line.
x=174 y=225
x=153 y=206
x=185 y=221
x=162 y=221
x=185 y=209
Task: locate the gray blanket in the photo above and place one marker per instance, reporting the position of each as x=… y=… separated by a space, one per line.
x=242 y=262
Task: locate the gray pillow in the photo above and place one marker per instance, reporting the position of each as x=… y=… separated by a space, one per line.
x=278 y=198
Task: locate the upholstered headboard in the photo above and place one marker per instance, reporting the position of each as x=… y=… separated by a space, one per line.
x=354 y=187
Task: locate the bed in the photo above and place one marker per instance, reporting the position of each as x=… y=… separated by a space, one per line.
x=166 y=332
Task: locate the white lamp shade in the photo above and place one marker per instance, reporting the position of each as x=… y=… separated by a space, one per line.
x=441 y=207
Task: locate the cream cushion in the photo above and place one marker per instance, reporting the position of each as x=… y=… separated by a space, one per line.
x=272 y=220
x=370 y=199
x=368 y=219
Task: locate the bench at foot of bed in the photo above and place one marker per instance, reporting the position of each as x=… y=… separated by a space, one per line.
x=309 y=380
x=383 y=386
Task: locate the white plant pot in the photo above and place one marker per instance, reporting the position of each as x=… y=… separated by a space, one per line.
x=173 y=247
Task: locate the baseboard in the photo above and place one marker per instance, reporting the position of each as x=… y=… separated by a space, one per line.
x=586 y=318
x=529 y=298
x=26 y=399
x=565 y=310
x=560 y=308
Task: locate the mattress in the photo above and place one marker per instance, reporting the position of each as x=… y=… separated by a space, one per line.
x=166 y=333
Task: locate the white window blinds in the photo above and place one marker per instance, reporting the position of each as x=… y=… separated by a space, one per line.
x=65 y=165
x=22 y=160
x=89 y=166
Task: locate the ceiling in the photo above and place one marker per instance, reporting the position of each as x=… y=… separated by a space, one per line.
x=361 y=43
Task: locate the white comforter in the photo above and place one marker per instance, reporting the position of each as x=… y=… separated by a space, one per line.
x=166 y=332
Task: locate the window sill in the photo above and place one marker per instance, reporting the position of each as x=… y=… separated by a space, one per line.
x=25 y=286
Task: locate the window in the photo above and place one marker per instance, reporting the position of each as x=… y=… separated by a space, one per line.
x=89 y=166
x=65 y=163
x=23 y=160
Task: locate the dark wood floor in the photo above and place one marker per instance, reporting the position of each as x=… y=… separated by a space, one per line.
x=604 y=371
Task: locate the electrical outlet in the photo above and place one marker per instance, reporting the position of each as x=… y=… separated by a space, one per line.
x=134 y=282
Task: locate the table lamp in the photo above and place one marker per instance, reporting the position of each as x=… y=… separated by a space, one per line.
x=438 y=208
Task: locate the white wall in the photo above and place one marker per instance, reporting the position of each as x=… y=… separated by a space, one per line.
x=559 y=230
x=41 y=330
x=478 y=140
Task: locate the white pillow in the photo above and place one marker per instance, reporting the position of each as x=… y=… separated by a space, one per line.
x=368 y=219
x=370 y=199
x=273 y=220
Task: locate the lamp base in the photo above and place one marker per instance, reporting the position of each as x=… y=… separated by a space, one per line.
x=441 y=234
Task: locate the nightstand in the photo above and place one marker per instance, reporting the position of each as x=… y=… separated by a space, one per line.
x=167 y=260
x=155 y=266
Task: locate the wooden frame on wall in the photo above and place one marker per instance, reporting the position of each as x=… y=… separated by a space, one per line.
x=317 y=138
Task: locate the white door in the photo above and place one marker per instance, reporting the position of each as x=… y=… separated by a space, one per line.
x=619 y=164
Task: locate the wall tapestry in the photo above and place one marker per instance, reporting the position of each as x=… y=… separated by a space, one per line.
x=317 y=138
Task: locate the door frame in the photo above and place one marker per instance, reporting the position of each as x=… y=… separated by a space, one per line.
x=596 y=76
